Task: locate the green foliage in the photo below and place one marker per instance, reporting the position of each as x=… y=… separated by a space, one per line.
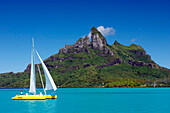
x=132 y=52
x=85 y=69
x=125 y=82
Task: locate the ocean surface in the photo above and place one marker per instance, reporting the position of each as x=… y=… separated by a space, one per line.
x=91 y=100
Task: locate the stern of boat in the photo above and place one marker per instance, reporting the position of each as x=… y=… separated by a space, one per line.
x=51 y=96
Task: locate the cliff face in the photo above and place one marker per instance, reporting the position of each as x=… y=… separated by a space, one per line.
x=72 y=49
x=134 y=55
x=82 y=45
x=79 y=46
x=91 y=63
x=98 y=41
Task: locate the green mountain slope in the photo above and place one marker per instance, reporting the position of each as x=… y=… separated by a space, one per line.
x=96 y=64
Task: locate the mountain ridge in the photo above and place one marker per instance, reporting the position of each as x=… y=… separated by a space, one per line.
x=96 y=63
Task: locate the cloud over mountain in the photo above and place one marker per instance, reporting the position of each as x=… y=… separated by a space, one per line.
x=105 y=31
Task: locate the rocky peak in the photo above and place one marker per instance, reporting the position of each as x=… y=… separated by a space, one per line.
x=78 y=46
x=116 y=43
x=83 y=41
x=86 y=41
x=81 y=45
x=98 y=40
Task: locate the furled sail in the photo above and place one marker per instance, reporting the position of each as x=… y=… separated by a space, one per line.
x=32 y=78
x=49 y=80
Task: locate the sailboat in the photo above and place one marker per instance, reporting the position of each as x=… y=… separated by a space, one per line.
x=50 y=85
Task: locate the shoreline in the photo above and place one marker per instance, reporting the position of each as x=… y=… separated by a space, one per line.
x=96 y=87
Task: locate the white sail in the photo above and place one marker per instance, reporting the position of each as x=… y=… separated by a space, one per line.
x=49 y=80
x=32 y=78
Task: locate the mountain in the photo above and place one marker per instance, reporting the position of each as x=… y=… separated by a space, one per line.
x=96 y=64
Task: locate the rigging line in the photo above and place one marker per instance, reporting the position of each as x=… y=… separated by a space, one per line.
x=39 y=90
x=38 y=70
x=49 y=80
x=41 y=78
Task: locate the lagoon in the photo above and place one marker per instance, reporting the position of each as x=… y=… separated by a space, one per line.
x=91 y=100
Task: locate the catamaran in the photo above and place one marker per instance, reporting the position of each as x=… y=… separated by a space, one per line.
x=50 y=85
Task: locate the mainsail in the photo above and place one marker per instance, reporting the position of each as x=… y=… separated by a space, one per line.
x=49 y=80
x=32 y=78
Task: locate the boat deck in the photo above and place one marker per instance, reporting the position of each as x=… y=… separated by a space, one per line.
x=34 y=97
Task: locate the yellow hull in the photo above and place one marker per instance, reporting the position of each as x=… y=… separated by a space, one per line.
x=50 y=96
x=34 y=97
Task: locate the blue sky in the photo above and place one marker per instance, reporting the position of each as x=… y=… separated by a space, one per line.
x=54 y=23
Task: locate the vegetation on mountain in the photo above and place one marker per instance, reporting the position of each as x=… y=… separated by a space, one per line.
x=96 y=64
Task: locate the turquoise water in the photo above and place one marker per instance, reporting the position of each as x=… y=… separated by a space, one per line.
x=91 y=100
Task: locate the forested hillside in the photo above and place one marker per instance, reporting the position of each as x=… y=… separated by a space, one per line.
x=96 y=64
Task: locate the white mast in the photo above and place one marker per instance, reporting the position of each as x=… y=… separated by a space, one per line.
x=49 y=80
x=32 y=78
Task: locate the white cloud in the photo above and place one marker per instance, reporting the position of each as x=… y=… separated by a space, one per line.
x=133 y=40
x=89 y=35
x=105 y=31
